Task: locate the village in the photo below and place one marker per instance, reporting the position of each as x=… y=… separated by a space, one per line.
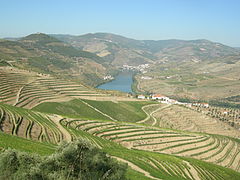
x=167 y=100
x=142 y=67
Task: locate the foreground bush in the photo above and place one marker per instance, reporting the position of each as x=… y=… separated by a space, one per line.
x=77 y=160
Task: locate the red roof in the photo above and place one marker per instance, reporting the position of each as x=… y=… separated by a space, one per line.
x=158 y=95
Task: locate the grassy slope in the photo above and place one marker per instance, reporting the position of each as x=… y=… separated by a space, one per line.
x=135 y=156
x=74 y=108
x=14 y=142
x=122 y=111
x=8 y=141
x=139 y=158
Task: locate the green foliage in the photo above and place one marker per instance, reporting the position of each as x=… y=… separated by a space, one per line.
x=43 y=62
x=233 y=98
x=77 y=160
x=224 y=104
x=41 y=39
x=4 y=63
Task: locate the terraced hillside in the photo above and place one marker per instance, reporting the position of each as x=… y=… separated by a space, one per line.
x=43 y=111
x=227 y=115
x=10 y=83
x=130 y=143
x=51 y=89
x=29 y=124
x=216 y=149
x=196 y=80
x=142 y=164
x=157 y=165
x=183 y=118
x=153 y=110
x=26 y=89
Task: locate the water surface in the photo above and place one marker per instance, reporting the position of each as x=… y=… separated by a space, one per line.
x=122 y=82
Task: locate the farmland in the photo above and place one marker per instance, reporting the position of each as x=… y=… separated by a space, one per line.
x=183 y=118
x=198 y=80
x=227 y=115
x=217 y=149
x=31 y=89
x=157 y=141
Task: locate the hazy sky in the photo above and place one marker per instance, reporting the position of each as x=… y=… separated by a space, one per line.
x=216 y=20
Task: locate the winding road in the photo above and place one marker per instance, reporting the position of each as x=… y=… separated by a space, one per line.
x=151 y=114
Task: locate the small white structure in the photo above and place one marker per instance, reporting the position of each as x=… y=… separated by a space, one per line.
x=205 y=105
x=108 y=77
x=141 y=97
x=146 y=77
x=160 y=97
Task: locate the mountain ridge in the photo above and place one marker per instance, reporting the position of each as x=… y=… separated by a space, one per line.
x=119 y=50
x=45 y=54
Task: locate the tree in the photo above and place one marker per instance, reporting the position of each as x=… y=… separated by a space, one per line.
x=77 y=160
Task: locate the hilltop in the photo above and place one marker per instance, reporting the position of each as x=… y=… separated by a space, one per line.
x=45 y=54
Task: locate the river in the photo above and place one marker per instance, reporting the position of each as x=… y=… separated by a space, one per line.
x=122 y=82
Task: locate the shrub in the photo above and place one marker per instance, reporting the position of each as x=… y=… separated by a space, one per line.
x=76 y=160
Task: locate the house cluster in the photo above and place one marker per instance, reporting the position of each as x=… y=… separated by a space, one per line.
x=167 y=100
x=146 y=77
x=160 y=98
x=142 y=67
x=108 y=77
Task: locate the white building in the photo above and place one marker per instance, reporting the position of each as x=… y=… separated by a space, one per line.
x=160 y=97
x=146 y=77
x=141 y=97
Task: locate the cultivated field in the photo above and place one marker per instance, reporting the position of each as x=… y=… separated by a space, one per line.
x=201 y=80
x=228 y=115
x=29 y=124
x=38 y=112
x=183 y=118
x=27 y=89
x=217 y=149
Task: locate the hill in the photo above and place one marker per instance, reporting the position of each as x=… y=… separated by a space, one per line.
x=27 y=89
x=190 y=69
x=123 y=140
x=44 y=101
x=115 y=49
x=204 y=81
x=120 y=50
x=45 y=54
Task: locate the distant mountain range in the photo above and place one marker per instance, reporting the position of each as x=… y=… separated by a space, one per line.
x=90 y=57
x=119 y=50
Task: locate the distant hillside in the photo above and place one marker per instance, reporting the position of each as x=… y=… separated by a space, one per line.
x=115 y=49
x=46 y=54
x=119 y=50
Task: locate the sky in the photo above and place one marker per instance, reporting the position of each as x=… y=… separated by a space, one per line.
x=215 y=20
